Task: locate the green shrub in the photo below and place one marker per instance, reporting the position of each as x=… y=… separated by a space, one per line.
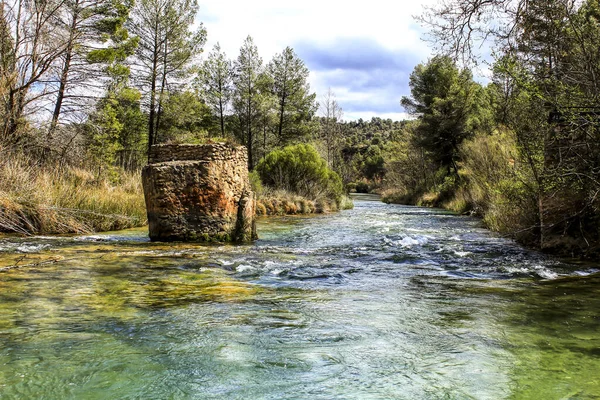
x=500 y=186
x=255 y=183
x=346 y=203
x=362 y=187
x=301 y=170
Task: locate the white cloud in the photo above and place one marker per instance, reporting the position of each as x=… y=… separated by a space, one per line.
x=275 y=24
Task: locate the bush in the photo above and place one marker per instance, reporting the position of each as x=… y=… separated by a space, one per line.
x=255 y=183
x=500 y=187
x=301 y=170
x=362 y=187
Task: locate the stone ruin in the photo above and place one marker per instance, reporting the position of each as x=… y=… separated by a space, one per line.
x=199 y=193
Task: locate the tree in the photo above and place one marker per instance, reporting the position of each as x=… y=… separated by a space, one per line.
x=267 y=116
x=216 y=80
x=167 y=47
x=7 y=62
x=296 y=105
x=547 y=90
x=27 y=26
x=185 y=118
x=115 y=129
x=131 y=138
x=373 y=165
x=95 y=33
x=446 y=101
x=332 y=113
x=247 y=94
x=300 y=169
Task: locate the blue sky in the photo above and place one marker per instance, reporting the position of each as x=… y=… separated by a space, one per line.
x=364 y=51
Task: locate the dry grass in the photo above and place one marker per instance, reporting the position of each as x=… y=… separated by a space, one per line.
x=36 y=200
x=282 y=202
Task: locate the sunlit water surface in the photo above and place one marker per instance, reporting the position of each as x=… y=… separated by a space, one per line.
x=379 y=302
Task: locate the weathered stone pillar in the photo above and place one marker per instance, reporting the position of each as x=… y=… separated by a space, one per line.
x=199 y=193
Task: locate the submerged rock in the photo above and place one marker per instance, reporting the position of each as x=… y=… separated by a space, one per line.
x=199 y=193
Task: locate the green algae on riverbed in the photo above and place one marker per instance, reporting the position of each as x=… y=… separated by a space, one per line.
x=379 y=302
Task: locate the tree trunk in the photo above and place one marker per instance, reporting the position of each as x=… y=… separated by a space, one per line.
x=249 y=122
x=154 y=74
x=281 y=111
x=163 y=85
x=222 y=117
x=63 y=79
x=221 y=110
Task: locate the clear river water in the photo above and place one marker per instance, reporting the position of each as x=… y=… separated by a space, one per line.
x=379 y=302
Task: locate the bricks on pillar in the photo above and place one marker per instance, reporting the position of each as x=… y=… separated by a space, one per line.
x=199 y=193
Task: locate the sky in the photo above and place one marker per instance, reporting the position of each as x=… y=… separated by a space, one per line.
x=363 y=51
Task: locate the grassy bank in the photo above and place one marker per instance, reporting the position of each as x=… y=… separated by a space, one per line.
x=48 y=200
x=281 y=202
x=493 y=182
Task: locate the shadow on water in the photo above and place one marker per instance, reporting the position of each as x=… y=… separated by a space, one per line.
x=377 y=302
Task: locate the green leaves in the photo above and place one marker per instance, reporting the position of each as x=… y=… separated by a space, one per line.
x=215 y=79
x=450 y=106
x=295 y=104
x=300 y=169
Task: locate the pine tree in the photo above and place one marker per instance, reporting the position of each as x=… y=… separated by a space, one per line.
x=216 y=80
x=166 y=49
x=247 y=95
x=296 y=105
x=95 y=33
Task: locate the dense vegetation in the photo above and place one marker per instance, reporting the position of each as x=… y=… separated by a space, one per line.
x=522 y=151
x=87 y=86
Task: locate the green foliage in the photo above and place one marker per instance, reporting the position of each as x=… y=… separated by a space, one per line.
x=450 y=107
x=184 y=118
x=373 y=163
x=255 y=182
x=300 y=169
x=410 y=172
x=500 y=186
x=247 y=98
x=132 y=139
x=115 y=131
x=215 y=78
x=362 y=187
x=355 y=150
x=295 y=104
x=113 y=33
x=104 y=129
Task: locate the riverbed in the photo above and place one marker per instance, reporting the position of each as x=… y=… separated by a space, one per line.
x=378 y=302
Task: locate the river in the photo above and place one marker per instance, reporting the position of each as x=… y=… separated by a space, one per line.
x=379 y=302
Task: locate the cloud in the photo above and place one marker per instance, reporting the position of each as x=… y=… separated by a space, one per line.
x=365 y=76
x=364 y=52
x=353 y=54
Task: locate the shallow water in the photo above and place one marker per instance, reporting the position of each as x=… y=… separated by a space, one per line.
x=379 y=302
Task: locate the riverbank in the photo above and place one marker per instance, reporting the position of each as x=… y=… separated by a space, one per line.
x=46 y=200
x=280 y=202
x=38 y=200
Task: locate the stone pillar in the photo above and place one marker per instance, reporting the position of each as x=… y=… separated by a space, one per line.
x=199 y=193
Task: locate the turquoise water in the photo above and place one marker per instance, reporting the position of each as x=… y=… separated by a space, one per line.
x=379 y=302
